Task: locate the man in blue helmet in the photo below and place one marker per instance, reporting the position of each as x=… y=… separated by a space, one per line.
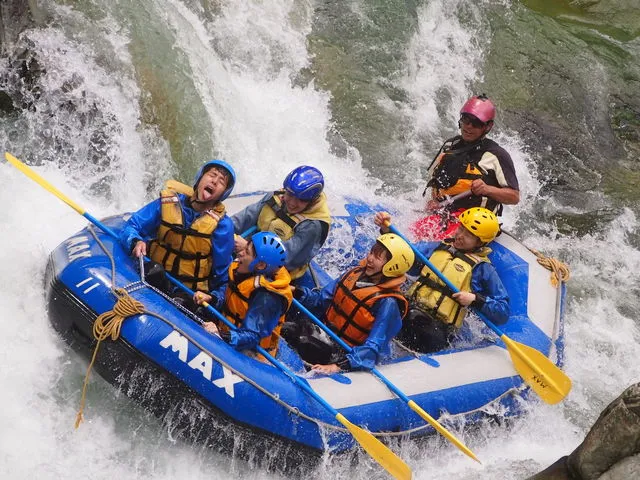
x=298 y=214
x=186 y=230
x=257 y=296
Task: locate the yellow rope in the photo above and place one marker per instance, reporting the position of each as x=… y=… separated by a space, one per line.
x=107 y=325
x=559 y=271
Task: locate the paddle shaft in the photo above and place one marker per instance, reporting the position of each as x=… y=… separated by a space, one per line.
x=414 y=406
x=449 y=199
x=259 y=349
x=349 y=349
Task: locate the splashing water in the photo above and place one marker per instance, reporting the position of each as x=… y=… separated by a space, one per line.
x=97 y=128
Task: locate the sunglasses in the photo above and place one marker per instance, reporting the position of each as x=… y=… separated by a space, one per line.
x=467 y=119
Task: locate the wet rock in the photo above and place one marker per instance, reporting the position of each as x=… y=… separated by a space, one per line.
x=614 y=437
x=557 y=471
x=610 y=449
x=625 y=469
x=20 y=81
x=15 y=16
x=27 y=65
x=566 y=89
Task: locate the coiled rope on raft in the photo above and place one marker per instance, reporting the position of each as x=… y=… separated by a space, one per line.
x=559 y=270
x=108 y=325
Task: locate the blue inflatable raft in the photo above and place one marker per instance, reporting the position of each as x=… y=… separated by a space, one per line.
x=199 y=385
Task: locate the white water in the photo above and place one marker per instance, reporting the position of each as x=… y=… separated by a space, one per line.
x=243 y=64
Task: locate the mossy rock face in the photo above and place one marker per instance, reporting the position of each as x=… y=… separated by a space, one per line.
x=566 y=89
x=357 y=52
x=170 y=101
x=619 y=19
x=625 y=120
x=15 y=16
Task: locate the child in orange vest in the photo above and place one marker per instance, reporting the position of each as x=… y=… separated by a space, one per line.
x=364 y=307
x=257 y=296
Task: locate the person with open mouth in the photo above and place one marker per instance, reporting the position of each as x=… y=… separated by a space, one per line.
x=187 y=231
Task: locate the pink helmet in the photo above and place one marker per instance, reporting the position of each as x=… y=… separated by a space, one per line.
x=480 y=107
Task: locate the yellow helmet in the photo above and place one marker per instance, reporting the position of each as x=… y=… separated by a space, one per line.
x=402 y=256
x=481 y=222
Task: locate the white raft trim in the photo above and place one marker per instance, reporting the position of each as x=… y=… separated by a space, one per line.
x=542 y=310
x=414 y=377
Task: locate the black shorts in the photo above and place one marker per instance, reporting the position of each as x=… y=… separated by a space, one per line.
x=423 y=333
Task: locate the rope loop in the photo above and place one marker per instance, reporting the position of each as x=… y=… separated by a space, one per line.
x=559 y=270
x=109 y=324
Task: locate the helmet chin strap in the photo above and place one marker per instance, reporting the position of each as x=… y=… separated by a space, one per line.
x=195 y=200
x=199 y=205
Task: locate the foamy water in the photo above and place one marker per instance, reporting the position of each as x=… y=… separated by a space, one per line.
x=265 y=126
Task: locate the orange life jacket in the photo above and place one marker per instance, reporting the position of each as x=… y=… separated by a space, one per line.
x=236 y=301
x=349 y=314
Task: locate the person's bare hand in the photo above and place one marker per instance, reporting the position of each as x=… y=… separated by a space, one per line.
x=382 y=220
x=479 y=188
x=326 y=369
x=201 y=297
x=464 y=298
x=211 y=328
x=140 y=249
x=432 y=206
x=240 y=243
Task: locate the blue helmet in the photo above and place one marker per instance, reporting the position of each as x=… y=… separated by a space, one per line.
x=217 y=163
x=269 y=249
x=305 y=183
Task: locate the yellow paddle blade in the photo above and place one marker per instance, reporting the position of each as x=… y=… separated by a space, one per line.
x=443 y=431
x=46 y=185
x=380 y=453
x=545 y=378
